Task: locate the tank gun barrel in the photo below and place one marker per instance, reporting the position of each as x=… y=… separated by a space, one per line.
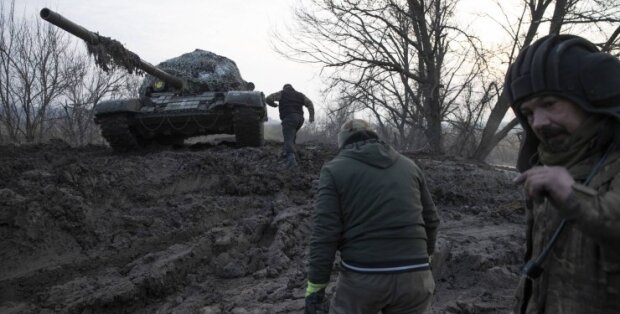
x=94 y=39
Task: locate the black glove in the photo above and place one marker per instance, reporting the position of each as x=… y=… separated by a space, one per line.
x=314 y=302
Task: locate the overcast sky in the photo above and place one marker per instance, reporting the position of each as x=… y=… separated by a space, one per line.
x=158 y=30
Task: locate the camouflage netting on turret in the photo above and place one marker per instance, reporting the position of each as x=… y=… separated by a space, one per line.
x=204 y=70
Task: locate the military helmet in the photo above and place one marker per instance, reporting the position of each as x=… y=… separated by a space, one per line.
x=566 y=66
x=287 y=85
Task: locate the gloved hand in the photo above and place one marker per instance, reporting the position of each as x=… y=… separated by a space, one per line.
x=314 y=302
x=315 y=295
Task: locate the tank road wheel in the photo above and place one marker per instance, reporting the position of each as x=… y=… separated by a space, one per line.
x=115 y=129
x=249 y=127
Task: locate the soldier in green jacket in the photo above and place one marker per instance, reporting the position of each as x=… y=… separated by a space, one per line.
x=566 y=94
x=373 y=206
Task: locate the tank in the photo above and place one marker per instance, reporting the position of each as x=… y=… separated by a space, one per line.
x=197 y=93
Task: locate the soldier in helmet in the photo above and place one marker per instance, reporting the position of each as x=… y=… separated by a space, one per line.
x=291 y=103
x=374 y=206
x=566 y=94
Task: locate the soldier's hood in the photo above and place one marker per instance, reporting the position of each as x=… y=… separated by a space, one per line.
x=374 y=153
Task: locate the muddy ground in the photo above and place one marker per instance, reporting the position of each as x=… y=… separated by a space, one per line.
x=217 y=229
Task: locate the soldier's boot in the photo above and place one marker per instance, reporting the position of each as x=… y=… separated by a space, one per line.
x=291 y=162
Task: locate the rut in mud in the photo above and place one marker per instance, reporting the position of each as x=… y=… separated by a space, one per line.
x=218 y=229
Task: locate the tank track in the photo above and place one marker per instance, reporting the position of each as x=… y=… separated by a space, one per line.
x=249 y=127
x=115 y=129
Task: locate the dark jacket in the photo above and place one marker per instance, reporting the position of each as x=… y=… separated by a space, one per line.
x=290 y=102
x=373 y=206
x=582 y=272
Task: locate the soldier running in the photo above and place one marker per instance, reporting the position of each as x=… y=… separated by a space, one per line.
x=291 y=103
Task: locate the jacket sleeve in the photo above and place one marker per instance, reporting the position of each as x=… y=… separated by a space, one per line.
x=429 y=214
x=326 y=230
x=309 y=105
x=272 y=98
x=596 y=213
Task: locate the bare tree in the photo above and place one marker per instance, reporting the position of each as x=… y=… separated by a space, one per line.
x=411 y=67
x=391 y=57
x=47 y=84
x=90 y=85
x=326 y=128
x=466 y=124
x=34 y=73
x=9 y=34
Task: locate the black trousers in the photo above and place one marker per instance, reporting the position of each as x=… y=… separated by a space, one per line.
x=291 y=123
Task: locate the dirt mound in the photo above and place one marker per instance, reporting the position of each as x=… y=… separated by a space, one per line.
x=216 y=229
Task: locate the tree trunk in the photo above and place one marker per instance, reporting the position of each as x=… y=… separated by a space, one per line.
x=499 y=136
x=488 y=139
x=558 y=17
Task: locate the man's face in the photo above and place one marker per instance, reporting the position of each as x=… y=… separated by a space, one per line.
x=552 y=119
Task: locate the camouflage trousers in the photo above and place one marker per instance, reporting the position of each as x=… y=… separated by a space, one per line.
x=290 y=125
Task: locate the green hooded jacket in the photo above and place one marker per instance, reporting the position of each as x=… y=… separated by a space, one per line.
x=373 y=205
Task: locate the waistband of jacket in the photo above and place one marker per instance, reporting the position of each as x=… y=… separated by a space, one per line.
x=387 y=267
